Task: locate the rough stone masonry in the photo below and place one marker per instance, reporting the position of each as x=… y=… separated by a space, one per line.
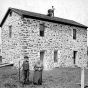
x=26 y=40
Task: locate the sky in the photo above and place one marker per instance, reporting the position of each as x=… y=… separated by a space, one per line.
x=76 y=10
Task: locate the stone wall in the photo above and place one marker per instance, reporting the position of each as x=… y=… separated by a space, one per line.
x=27 y=41
x=11 y=47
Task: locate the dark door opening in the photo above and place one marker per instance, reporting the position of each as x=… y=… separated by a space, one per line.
x=41 y=55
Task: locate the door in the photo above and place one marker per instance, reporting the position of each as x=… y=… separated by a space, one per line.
x=41 y=55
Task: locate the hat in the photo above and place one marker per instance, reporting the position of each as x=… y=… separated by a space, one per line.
x=25 y=56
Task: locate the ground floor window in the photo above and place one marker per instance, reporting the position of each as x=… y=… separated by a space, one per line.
x=55 y=56
x=74 y=56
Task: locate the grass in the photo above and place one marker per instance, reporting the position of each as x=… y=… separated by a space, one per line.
x=56 y=78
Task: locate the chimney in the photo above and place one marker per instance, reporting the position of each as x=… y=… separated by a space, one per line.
x=51 y=12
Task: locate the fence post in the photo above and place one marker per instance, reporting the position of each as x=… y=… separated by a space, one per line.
x=82 y=77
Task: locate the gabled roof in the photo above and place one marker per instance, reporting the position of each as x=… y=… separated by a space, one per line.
x=42 y=17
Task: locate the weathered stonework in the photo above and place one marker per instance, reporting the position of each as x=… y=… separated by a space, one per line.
x=26 y=40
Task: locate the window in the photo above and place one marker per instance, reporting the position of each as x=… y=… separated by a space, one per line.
x=74 y=33
x=42 y=29
x=74 y=56
x=55 y=56
x=10 y=13
x=10 y=31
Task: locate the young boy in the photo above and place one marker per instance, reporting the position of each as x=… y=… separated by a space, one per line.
x=25 y=66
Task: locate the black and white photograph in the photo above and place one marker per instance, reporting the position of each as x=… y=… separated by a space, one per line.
x=43 y=44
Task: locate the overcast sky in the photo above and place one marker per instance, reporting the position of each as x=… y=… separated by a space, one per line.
x=76 y=10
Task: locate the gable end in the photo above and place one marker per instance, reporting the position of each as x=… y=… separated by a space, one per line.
x=7 y=13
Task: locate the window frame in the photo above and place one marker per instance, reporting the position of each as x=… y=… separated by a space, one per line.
x=74 y=57
x=56 y=59
x=10 y=13
x=42 y=31
x=10 y=31
x=74 y=34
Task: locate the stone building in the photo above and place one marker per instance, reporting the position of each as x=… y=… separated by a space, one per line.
x=55 y=41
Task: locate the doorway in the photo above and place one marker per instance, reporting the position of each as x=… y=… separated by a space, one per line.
x=42 y=55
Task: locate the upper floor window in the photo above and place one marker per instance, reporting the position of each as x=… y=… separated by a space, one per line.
x=10 y=31
x=10 y=13
x=55 y=56
x=42 y=27
x=74 y=33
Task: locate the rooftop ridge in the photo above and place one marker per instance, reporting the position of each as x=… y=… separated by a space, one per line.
x=44 y=17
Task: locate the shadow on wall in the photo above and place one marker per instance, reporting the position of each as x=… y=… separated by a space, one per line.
x=0 y=59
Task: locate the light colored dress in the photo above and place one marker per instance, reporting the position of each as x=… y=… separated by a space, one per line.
x=38 y=68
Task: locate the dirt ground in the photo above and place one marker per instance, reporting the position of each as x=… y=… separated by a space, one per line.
x=56 y=78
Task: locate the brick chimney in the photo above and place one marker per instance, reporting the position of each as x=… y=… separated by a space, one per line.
x=51 y=12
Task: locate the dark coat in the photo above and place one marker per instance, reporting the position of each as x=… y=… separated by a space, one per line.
x=26 y=71
x=25 y=65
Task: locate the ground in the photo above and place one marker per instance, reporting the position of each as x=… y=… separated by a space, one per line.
x=56 y=78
